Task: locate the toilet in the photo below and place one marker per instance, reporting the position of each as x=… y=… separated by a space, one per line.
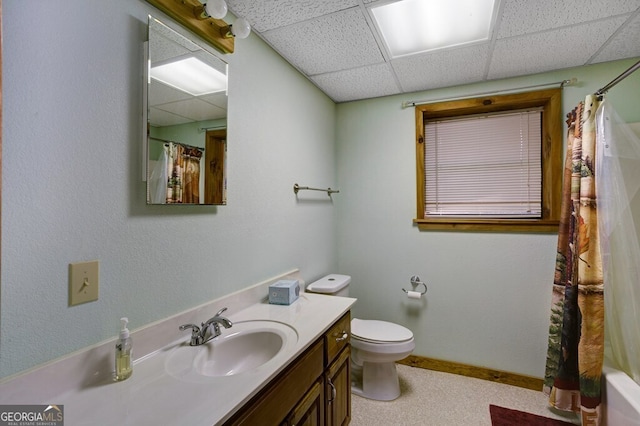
x=375 y=346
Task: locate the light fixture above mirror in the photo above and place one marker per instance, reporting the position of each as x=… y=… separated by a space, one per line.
x=205 y=20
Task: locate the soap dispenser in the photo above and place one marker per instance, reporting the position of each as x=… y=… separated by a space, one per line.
x=124 y=366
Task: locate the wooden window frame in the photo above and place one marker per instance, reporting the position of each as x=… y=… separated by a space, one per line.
x=552 y=142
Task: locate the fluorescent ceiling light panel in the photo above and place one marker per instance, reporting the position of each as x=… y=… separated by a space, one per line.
x=190 y=75
x=415 y=26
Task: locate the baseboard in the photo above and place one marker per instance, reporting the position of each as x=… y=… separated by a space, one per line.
x=513 y=379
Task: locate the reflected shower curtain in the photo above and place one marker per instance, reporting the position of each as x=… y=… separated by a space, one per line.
x=174 y=173
x=183 y=185
x=618 y=192
x=157 y=188
x=576 y=333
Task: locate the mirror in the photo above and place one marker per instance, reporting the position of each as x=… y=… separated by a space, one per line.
x=186 y=121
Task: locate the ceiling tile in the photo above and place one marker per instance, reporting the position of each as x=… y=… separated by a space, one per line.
x=330 y=43
x=160 y=93
x=625 y=44
x=359 y=83
x=194 y=109
x=266 y=15
x=218 y=99
x=168 y=44
x=551 y=50
x=442 y=68
x=526 y=16
x=159 y=118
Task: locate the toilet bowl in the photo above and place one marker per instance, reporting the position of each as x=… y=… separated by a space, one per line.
x=375 y=347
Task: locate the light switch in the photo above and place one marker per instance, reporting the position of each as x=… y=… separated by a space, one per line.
x=83 y=282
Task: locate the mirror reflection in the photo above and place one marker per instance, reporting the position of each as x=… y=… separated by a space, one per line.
x=186 y=121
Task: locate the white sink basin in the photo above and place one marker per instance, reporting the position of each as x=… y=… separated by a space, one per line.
x=241 y=349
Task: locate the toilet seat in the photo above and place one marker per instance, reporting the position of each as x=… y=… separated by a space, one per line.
x=374 y=331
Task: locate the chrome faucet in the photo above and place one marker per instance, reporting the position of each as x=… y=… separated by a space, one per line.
x=215 y=322
x=199 y=334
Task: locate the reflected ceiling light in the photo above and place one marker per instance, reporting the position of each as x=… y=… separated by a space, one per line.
x=414 y=26
x=217 y=9
x=190 y=75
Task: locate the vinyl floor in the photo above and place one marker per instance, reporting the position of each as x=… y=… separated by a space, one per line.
x=432 y=398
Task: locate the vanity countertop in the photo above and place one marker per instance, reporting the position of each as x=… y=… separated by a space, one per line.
x=152 y=396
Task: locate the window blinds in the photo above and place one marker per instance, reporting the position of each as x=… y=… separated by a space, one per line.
x=484 y=166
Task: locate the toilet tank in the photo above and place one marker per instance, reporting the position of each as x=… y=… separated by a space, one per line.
x=332 y=284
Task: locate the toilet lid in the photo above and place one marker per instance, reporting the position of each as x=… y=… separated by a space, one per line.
x=379 y=331
x=330 y=284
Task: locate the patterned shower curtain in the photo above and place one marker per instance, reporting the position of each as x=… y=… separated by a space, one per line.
x=576 y=333
x=183 y=184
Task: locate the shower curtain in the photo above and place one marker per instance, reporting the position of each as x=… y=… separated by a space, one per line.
x=618 y=193
x=158 y=180
x=183 y=182
x=576 y=333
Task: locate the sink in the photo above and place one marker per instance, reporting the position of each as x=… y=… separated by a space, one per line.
x=241 y=349
x=238 y=352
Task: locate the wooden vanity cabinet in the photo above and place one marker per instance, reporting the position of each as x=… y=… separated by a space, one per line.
x=273 y=404
x=338 y=372
x=314 y=390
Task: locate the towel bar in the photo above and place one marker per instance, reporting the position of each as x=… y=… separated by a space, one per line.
x=329 y=191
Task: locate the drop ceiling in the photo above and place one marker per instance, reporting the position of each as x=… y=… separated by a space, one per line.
x=334 y=43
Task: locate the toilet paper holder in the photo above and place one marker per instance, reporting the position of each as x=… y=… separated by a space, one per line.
x=415 y=282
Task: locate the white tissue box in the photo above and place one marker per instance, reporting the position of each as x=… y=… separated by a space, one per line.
x=284 y=292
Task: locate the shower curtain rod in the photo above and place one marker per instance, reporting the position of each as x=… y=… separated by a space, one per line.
x=618 y=79
x=179 y=143
x=204 y=129
x=569 y=82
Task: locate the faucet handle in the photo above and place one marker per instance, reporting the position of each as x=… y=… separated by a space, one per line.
x=196 y=339
x=221 y=311
x=195 y=328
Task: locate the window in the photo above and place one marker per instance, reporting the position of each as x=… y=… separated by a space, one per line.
x=490 y=164
x=485 y=165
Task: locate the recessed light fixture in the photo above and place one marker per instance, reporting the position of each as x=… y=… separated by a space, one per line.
x=190 y=75
x=416 y=26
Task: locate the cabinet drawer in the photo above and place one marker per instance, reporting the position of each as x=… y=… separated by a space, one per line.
x=337 y=338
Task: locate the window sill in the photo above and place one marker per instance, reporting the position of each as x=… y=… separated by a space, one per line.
x=488 y=225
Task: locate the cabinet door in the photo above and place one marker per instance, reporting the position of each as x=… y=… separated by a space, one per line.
x=338 y=390
x=310 y=410
x=273 y=405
